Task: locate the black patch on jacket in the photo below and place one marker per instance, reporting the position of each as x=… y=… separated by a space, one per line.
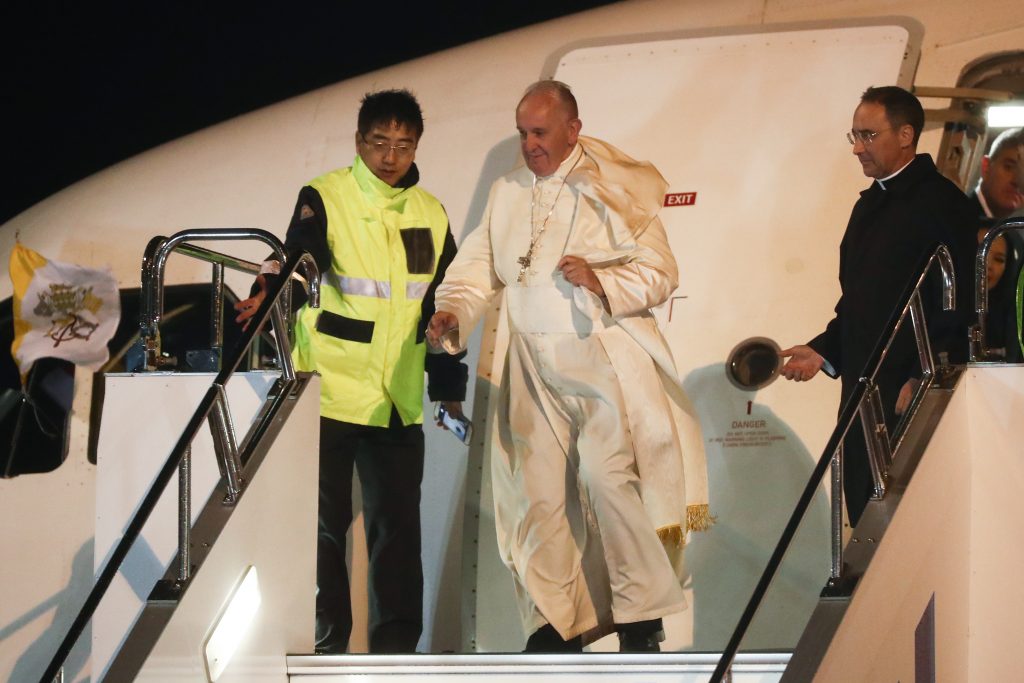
x=340 y=327
x=419 y=250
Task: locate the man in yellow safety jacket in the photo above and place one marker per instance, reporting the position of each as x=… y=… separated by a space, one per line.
x=382 y=245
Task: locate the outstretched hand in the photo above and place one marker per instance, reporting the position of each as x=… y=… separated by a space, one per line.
x=440 y=324
x=803 y=364
x=248 y=307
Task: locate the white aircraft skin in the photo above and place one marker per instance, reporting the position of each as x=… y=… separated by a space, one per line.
x=246 y=172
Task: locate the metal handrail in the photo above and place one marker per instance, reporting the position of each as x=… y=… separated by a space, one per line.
x=154 y=263
x=979 y=350
x=855 y=405
x=230 y=456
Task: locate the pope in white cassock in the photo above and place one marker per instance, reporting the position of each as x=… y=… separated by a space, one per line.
x=597 y=460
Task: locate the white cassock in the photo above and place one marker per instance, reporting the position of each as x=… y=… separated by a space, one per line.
x=597 y=462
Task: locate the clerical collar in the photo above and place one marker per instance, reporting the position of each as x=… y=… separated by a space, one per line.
x=882 y=181
x=983 y=201
x=566 y=166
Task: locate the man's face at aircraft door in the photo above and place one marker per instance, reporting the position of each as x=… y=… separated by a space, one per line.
x=1000 y=181
x=547 y=134
x=388 y=151
x=887 y=149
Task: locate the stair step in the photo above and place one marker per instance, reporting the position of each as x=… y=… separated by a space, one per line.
x=533 y=668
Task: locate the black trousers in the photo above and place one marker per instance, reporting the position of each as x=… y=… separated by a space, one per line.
x=858 y=484
x=390 y=465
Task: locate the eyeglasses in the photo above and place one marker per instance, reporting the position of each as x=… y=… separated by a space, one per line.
x=402 y=149
x=866 y=137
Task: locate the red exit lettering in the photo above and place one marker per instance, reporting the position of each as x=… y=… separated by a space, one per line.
x=681 y=199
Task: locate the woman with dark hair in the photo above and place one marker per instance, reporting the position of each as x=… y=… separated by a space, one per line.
x=1001 y=325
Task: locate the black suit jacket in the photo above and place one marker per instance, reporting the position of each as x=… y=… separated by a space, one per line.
x=977 y=208
x=889 y=233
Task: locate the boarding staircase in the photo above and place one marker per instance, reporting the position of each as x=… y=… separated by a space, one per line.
x=238 y=459
x=894 y=459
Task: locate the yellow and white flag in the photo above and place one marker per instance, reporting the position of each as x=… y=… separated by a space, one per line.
x=61 y=310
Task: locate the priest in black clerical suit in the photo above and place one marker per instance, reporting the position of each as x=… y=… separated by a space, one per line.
x=896 y=222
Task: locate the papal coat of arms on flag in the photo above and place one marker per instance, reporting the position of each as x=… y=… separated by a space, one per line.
x=61 y=310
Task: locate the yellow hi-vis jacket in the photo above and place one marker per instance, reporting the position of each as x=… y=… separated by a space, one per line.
x=385 y=243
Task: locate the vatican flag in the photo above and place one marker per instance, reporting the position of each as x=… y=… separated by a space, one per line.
x=61 y=311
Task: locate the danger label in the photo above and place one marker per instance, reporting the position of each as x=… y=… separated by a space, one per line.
x=748 y=433
x=681 y=199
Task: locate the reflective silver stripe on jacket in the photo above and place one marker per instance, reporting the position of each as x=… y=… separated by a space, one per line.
x=361 y=286
x=416 y=290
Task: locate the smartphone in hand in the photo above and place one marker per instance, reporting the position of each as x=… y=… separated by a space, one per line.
x=460 y=426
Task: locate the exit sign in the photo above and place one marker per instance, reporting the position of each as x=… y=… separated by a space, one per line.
x=681 y=199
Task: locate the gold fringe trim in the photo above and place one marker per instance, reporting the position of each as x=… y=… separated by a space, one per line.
x=672 y=536
x=699 y=517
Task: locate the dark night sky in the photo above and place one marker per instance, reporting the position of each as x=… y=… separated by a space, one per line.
x=88 y=84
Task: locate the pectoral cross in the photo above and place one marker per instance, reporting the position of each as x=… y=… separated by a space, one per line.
x=524 y=264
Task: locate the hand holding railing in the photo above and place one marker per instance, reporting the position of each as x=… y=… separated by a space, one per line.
x=154 y=263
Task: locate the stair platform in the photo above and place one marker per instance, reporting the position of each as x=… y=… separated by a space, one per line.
x=533 y=668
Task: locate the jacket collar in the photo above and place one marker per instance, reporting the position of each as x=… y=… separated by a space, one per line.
x=921 y=167
x=375 y=187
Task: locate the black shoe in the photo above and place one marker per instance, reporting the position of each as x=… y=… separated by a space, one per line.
x=546 y=639
x=395 y=637
x=629 y=642
x=641 y=636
